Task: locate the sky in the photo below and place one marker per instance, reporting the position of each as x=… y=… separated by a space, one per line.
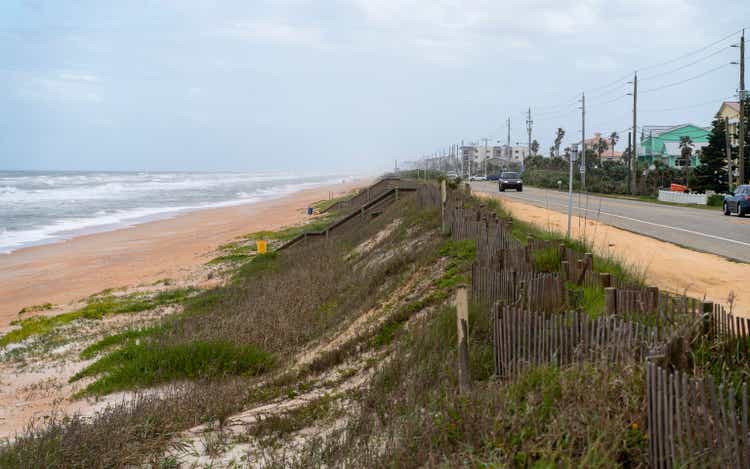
x=343 y=86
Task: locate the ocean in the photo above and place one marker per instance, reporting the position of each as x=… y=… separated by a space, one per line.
x=43 y=207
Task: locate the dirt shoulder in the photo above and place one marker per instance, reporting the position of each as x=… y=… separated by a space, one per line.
x=668 y=266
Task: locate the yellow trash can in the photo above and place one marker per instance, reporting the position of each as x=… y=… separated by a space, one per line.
x=261 y=245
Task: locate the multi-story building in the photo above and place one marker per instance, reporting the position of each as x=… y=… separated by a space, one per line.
x=610 y=154
x=730 y=110
x=662 y=143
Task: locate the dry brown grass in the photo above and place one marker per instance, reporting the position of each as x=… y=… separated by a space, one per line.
x=287 y=302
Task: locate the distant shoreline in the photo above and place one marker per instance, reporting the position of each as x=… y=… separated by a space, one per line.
x=68 y=270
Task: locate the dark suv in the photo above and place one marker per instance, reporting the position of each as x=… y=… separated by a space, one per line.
x=739 y=202
x=510 y=181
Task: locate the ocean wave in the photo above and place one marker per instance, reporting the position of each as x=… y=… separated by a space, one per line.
x=94 y=217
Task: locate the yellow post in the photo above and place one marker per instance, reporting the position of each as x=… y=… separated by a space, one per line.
x=262 y=246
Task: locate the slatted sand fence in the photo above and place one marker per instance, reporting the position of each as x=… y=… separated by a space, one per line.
x=522 y=339
x=544 y=292
x=724 y=324
x=695 y=423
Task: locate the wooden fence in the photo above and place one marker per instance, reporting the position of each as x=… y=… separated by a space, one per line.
x=694 y=423
x=542 y=292
x=522 y=339
x=691 y=422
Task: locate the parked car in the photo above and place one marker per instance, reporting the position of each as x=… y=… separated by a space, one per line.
x=510 y=181
x=477 y=178
x=738 y=202
x=493 y=177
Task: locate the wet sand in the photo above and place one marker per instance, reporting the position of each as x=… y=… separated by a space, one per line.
x=70 y=270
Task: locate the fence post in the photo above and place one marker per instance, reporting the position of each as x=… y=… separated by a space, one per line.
x=528 y=247
x=610 y=300
x=462 y=323
x=605 y=279
x=443 y=198
x=653 y=299
x=565 y=269
x=467 y=188
x=707 y=308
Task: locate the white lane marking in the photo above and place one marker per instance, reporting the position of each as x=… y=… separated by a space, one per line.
x=684 y=230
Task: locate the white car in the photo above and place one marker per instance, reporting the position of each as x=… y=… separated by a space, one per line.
x=477 y=178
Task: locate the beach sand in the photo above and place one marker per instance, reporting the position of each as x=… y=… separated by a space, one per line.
x=71 y=270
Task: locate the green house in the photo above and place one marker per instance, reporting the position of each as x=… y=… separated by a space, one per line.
x=662 y=143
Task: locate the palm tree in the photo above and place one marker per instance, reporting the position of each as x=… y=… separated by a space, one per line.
x=558 y=139
x=534 y=147
x=686 y=150
x=601 y=147
x=613 y=139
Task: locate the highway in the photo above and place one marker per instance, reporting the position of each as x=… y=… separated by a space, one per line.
x=695 y=228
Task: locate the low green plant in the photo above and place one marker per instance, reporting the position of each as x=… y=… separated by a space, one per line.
x=35 y=308
x=113 y=340
x=96 y=308
x=547 y=259
x=148 y=363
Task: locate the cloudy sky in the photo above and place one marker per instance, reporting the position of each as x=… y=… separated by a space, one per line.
x=319 y=85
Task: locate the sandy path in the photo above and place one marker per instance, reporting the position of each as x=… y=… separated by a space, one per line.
x=70 y=270
x=666 y=265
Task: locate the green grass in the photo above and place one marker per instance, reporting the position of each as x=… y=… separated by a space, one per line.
x=587 y=299
x=97 y=308
x=547 y=259
x=315 y=224
x=654 y=200
x=234 y=252
x=35 y=308
x=460 y=256
x=522 y=230
x=259 y=264
x=325 y=204
x=146 y=364
x=111 y=341
x=387 y=333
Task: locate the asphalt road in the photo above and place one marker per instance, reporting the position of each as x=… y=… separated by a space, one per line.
x=700 y=229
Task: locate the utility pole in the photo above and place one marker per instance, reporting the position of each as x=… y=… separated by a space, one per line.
x=730 y=176
x=510 y=152
x=583 y=142
x=484 y=160
x=634 y=144
x=630 y=154
x=742 y=109
x=529 y=124
x=573 y=154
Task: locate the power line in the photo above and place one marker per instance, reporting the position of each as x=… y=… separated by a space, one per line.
x=669 y=85
x=649 y=77
x=689 y=106
x=677 y=59
x=613 y=100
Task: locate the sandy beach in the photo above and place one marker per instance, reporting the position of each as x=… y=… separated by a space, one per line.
x=70 y=270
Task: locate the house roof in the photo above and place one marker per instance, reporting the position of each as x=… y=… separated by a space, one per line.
x=657 y=130
x=734 y=105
